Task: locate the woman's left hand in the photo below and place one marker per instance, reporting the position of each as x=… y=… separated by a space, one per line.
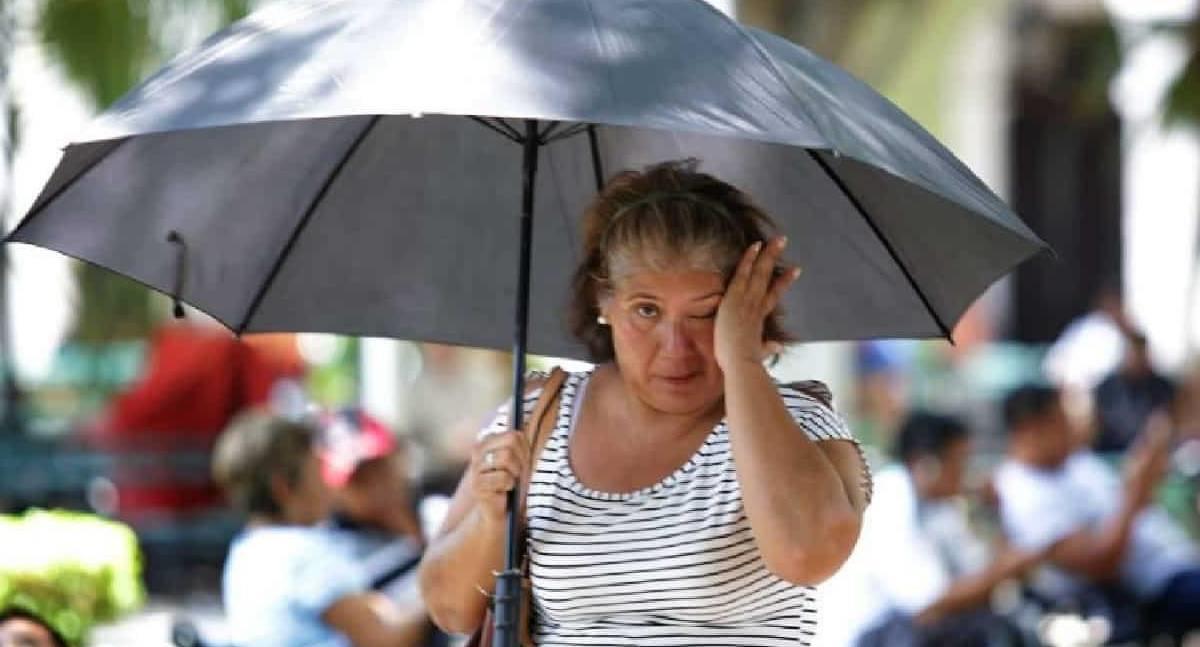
x=752 y=294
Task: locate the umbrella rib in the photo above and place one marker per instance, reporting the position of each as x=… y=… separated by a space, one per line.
x=513 y=137
x=544 y=136
x=568 y=133
x=597 y=164
x=41 y=204
x=862 y=211
x=303 y=223
x=511 y=129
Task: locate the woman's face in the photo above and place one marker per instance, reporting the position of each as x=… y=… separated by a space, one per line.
x=662 y=330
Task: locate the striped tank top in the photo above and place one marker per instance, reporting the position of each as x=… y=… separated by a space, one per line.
x=671 y=564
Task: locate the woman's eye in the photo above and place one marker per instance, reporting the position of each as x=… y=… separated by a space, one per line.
x=706 y=315
x=647 y=310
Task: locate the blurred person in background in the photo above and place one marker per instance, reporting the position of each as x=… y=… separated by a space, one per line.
x=1104 y=535
x=454 y=394
x=20 y=628
x=196 y=378
x=920 y=574
x=1088 y=349
x=1125 y=399
x=375 y=515
x=1091 y=346
x=288 y=581
x=882 y=369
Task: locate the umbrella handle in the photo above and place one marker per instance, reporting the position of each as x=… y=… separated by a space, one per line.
x=176 y=239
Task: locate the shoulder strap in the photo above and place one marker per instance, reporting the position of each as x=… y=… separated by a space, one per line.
x=540 y=425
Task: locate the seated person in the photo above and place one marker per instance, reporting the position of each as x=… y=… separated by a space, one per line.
x=920 y=575
x=1126 y=398
x=20 y=628
x=287 y=581
x=364 y=463
x=1101 y=532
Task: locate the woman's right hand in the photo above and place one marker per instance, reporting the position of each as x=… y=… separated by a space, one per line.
x=497 y=463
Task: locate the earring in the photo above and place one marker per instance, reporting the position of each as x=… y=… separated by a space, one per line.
x=602 y=320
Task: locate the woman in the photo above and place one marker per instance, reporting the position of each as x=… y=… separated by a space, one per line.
x=684 y=496
x=289 y=582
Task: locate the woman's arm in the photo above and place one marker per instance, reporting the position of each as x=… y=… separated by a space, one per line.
x=458 y=569
x=804 y=499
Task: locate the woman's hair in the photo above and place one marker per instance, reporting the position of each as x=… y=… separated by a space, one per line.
x=256 y=448
x=925 y=434
x=666 y=216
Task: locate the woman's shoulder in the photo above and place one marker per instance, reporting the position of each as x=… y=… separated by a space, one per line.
x=806 y=393
x=535 y=383
x=811 y=404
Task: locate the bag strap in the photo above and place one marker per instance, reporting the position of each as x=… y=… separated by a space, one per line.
x=540 y=424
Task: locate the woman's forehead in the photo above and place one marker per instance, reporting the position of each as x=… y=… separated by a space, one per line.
x=678 y=283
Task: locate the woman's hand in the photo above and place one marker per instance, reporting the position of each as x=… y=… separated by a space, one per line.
x=497 y=463
x=752 y=294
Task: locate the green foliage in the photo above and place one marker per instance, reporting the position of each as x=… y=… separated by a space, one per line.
x=902 y=48
x=74 y=570
x=104 y=46
x=1183 y=98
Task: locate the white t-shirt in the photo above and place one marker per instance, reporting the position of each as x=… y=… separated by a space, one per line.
x=908 y=555
x=1040 y=507
x=1090 y=348
x=280 y=579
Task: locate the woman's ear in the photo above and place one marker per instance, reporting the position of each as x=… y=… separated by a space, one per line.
x=602 y=314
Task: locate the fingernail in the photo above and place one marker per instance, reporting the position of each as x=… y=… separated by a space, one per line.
x=796 y=273
x=756 y=246
x=782 y=241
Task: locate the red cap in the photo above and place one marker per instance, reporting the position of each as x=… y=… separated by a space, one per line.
x=348 y=438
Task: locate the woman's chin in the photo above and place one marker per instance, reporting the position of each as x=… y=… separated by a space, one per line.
x=681 y=396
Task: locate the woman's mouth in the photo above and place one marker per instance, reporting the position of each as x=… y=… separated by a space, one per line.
x=679 y=379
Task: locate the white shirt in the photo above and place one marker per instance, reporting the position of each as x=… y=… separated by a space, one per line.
x=280 y=579
x=907 y=557
x=1089 y=348
x=1040 y=507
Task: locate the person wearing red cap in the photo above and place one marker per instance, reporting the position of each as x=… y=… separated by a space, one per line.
x=366 y=467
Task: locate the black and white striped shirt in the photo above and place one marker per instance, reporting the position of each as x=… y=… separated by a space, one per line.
x=671 y=564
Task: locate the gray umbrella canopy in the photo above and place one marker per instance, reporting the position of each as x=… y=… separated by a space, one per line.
x=348 y=167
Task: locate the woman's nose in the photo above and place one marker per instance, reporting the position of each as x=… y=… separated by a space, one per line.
x=676 y=341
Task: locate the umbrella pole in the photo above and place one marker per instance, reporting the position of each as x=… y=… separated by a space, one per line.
x=507 y=600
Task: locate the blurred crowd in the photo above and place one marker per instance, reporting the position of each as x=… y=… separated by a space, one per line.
x=1066 y=514
x=1064 y=536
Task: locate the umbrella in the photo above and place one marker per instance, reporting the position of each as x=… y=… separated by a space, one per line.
x=356 y=168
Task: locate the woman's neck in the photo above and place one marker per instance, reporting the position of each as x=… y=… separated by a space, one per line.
x=632 y=412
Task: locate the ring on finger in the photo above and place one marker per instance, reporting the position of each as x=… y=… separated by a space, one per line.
x=489 y=459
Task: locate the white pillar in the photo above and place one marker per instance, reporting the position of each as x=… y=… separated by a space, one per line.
x=1160 y=182
x=379 y=378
